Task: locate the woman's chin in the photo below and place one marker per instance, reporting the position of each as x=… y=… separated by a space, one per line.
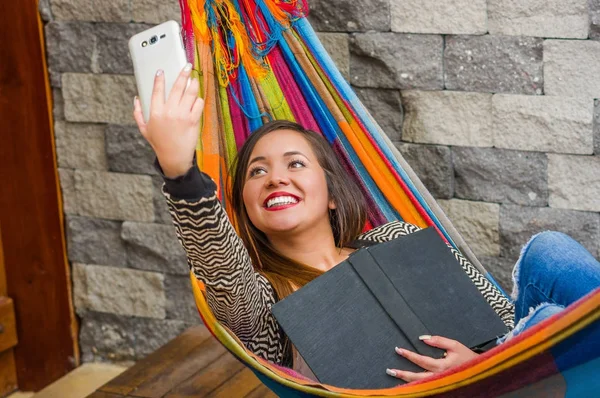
x=283 y=227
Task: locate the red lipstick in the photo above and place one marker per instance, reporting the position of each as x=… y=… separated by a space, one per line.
x=281 y=207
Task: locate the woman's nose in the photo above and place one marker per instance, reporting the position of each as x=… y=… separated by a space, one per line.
x=276 y=180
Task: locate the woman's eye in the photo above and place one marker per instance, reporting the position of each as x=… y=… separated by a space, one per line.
x=296 y=164
x=256 y=171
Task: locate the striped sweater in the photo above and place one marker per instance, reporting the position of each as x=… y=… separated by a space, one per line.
x=240 y=297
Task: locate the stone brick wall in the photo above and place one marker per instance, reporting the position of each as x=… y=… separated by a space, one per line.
x=130 y=276
x=488 y=102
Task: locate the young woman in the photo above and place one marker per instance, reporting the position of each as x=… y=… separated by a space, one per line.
x=298 y=214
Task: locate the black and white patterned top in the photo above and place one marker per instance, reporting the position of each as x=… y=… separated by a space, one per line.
x=240 y=297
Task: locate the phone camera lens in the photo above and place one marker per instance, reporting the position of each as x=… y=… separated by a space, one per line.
x=153 y=39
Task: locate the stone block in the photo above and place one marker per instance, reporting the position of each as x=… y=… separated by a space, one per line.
x=70 y=46
x=594 y=6
x=349 y=15
x=447 y=118
x=86 y=47
x=439 y=16
x=117 y=338
x=114 y=196
x=80 y=146
x=433 y=166
x=91 y=10
x=477 y=222
x=58 y=103
x=501 y=269
x=574 y=182
x=106 y=337
x=66 y=178
x=98 y=98
x=338 y=48
x=386 y=108
x=597 y=127
x=119 y=291
x=395 y=60
x=154 y=247
x=128 y=151
x=180 y=299
x=55 y=79
x=498 y=175
x=161 y=210
x=112 y=48
x=543 y=123
x=518 y=224
x=540 y=18
x=95 y=241
x=155 y=11
x=496 y=64
x=571 y=68
x=45 y=11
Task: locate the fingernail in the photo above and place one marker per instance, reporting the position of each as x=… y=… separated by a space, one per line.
x=134 y=100
x=424 y=337
x=159 y=72
x=390 y=372
x=188 y=67
x=399 y=351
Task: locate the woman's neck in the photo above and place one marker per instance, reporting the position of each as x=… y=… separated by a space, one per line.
x=315 y=249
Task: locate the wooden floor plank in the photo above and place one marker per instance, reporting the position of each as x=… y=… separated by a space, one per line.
x=261 y=391
x=239 y=385
x=165 y=357
x=209 y=379
x=192 y=365
x=101 y=394
x=194 y=362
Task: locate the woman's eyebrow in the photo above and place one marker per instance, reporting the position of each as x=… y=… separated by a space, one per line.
x=257 y=159
x=292 y=153
x=287 y=154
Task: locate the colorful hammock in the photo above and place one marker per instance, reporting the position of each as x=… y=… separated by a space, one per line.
x=259 y=60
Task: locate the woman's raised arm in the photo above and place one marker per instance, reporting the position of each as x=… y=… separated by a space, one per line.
x=240 y=297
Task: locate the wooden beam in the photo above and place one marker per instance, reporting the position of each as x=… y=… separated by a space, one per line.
x=37 y=272
x=8 y=371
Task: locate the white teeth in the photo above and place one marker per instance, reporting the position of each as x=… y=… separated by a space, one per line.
x=281 y=200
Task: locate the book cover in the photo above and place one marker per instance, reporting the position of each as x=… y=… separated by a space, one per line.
x=346 y=323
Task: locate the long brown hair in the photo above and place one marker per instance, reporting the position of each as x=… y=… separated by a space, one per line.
x=347 y=220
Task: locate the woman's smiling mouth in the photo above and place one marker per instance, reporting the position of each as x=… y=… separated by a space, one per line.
x=280 y=201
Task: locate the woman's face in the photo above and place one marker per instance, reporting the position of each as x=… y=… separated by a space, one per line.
x=285 y=189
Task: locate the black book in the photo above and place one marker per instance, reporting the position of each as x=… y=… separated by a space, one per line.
x=346 y=322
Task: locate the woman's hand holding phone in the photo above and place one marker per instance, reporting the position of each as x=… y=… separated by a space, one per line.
x=173 y=125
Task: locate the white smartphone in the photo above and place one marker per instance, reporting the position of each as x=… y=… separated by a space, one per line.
x=160 y=47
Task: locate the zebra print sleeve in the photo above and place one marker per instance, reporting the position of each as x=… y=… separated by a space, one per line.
x=498 y=301
x=240 y=298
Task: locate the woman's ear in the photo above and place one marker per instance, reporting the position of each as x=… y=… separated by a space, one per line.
x=332 y=205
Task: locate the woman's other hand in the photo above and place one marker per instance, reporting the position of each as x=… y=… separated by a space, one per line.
x=456 y=354
x=174 y=124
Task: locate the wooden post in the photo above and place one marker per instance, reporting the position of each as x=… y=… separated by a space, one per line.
x=37 y=271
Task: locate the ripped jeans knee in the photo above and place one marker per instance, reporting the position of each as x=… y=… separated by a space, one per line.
x=536 y=315
x=554 y=269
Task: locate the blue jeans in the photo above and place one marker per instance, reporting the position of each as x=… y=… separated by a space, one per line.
x=552 y=272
